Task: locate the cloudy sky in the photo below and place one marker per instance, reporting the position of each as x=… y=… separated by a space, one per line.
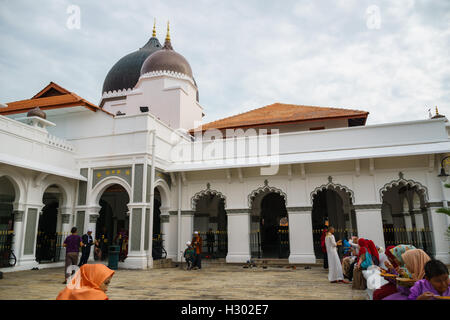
x=391 y=58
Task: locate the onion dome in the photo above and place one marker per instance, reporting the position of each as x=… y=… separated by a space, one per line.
x=167 y=60
x=37 y=112
x=125 y=73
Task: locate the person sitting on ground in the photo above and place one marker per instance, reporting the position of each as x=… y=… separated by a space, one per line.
x=348 y=263
x=415 y=260
x=436 y=282
x=390 y=267
x=359 y=282
x=89 y=283
x=189 y=255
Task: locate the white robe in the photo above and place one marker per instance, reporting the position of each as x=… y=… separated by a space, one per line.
x=334 y=263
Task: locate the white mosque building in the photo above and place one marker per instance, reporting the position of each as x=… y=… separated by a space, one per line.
x=264 y=181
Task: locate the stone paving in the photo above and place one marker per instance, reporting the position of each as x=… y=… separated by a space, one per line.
x=211 y=282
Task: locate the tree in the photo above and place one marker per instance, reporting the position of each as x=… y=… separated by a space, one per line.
x=445 y=211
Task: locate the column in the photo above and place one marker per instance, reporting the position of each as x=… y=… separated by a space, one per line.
x=408 y=227
x=370 y=223
x=66 y=214
x=137 y=256
x=18 y=233
x=27 y=252
x=301 y=241
x=187 y=229
x=165 y=229
x=172 y=235
x=439 y=227
x=238 y=229
x=90 y=223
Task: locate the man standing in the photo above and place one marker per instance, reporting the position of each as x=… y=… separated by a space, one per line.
x=88 y=241
x=72 y=245
x=197 y=243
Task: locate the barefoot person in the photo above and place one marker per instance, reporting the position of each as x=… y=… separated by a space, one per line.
x=334 y=263
x=93 y=281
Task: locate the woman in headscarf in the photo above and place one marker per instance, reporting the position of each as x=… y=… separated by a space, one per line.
x=398 y=251
x=414 y=260
x=89 y=283
x=373 y=252
x=359 y=283
x=390 y=265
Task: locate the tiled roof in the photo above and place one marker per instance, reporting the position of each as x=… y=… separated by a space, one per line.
x=280 y=113
x=51 y=97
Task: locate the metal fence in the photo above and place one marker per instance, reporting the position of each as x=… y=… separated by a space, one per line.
x=283 y=243
x=419 y=238
x=214 y=244
x=6 y=237
x=339 y=234
x=158 y=251
x=255 y=244
x=49 y=246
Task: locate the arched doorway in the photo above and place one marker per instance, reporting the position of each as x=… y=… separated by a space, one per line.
x=158 y=251
x=270 y=220
x=210 y=220
x=336 y=207
x=113 y=223
x=405 y=217
x=7 y=198
x=49 y=240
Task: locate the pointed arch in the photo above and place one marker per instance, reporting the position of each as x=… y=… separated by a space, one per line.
x=207 y=192
x=333 y=186
x=421 y=189
x=268 y=189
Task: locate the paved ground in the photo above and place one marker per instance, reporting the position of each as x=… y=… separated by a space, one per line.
x=212 y=282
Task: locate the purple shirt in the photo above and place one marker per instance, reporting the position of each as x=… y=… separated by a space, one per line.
x=73 y=243
x=423 y=286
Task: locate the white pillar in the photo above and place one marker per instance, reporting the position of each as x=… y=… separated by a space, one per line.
x=439 y=227
x=238 y=237
x=165 y=229
x=172 y=236
x=187 y=230
x=370 y=225
x=137 y=256
x=18 y=233
x=300 y=237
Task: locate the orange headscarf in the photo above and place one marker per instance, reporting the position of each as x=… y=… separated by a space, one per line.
x=90 y=276
x=415 y=261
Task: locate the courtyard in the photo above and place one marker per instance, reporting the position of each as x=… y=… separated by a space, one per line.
x=214 y=282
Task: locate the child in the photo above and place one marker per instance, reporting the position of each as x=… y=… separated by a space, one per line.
x=436 y=282
x=189 y=255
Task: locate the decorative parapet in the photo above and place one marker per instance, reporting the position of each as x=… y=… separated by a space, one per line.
x=59 y=143
x=116 y=93
x=172 y=74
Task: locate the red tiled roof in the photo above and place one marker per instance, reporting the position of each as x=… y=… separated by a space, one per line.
x=52 y=96
x=280 y=113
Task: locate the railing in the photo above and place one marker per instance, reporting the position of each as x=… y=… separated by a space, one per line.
x=49 y=246
x=215 y=244
x=6 y=237
x=339 y=234
x=59 y=143
x=158 y=251
x=420 y=238
x=283 y=243
x=255 y=244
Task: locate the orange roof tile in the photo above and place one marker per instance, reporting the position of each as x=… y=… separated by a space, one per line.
x=280 y=113
x=52 y=96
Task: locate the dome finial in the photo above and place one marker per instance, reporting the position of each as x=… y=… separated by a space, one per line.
x=154 y=28
x=437 y=112
x=167 y=44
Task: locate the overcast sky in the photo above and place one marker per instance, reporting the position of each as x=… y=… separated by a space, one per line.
x=391 y=58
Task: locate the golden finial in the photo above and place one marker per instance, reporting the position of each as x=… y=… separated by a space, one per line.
x=437 y=112
x=168 y=32
x=154 y=28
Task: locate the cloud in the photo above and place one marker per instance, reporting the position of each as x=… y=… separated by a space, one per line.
x=244 y=54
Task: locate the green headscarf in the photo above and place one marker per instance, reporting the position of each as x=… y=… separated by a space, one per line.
x=399 y=250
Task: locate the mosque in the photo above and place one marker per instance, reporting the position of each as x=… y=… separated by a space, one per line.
x=144 y=166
